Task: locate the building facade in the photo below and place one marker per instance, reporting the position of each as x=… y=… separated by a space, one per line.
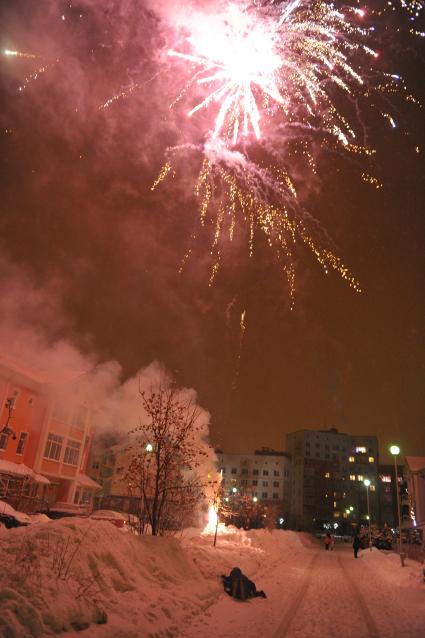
x=328 y=473
x=263 y=476
x=45 y=432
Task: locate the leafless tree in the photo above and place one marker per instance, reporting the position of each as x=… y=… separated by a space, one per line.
x=165 y=457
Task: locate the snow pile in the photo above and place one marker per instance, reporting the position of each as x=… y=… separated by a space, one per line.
x=8 y=510
x=76 y=574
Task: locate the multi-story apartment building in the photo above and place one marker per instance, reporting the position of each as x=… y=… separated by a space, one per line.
x=264 y=475
x=328 y=472
x=44 y=441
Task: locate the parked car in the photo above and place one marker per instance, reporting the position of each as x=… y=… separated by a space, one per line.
x=9 y=517
x=119 y=519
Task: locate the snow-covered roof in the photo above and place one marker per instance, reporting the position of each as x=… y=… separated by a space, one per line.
x=86 y=481
x=20 y=469
x=415 y=463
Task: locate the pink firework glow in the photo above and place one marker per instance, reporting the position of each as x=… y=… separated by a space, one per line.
x=252 y=61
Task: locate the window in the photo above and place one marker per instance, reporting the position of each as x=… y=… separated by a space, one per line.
x=264 y=494
x=360 y=477
x=335 y=505
x=244 y=470
x=371 y=459
x=326 y=447
x=72 y=452
x=95 y=466
x=385 y=478
x=21 y=443
x=351 y=459
x=53 y=447
x=4 y=438
x=360 y=450
x=234 y=470
x=265 y=472
x=255 y=472
x=275 y=483
x=326 y=456
x=352 y=477
x=372 y=488
x=317 y=444
x=327 y=474
x=244 y=482
x=276 y=496
x=265 y=483
x=255 y=482
x=276 y=473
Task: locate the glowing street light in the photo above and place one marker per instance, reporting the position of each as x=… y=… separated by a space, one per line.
x=367 y=485
x=234 y=490
x=255 y=499
x=149 y=447
x=395 y=451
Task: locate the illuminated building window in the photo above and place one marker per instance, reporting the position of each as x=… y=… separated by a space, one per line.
x=372 y=488
x=255 y=472
x=327 y=475
x=360 y=477
x=352 y=477
x=385 y=478
x=335 y=506
x=371 y=459
x=351 y=459
x=361 y=450
x=336 y=514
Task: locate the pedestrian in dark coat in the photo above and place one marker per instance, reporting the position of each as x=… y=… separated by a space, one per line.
x=356 y=545
x=239 y=586
x=328 y=540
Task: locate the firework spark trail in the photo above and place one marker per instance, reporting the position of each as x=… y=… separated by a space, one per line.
x=19 y=54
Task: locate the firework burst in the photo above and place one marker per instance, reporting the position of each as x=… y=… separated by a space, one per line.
x=263 y=73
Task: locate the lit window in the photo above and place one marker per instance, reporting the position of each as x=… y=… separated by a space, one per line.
x=361 y=450
x=352 y=477
x=371 y=459
x=372 y=488
x=336 y=514
x=335 y=505
x=72 y=452
x=351 y=459
x=360 y=477
x=21 y=443
x=327 y=475
x=53 y=447
x=385 y=478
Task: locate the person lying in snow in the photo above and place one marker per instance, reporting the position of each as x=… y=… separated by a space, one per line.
x=236 y=584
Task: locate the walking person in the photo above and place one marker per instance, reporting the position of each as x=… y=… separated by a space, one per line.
x=356 y=545
x=328 y=540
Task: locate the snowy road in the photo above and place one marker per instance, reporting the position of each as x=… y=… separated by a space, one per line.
x=316 y=594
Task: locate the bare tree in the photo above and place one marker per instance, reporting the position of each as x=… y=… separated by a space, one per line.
x=164 y=459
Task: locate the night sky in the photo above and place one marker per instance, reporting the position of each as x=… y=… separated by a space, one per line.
x=79 y=223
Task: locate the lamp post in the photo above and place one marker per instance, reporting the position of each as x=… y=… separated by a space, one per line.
x=395 y=451
x=367 y=485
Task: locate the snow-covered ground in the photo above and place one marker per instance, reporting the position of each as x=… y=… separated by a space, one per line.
x=72 y=575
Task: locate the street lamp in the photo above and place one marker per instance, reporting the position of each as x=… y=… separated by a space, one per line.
x=395 y=451
x=367 y=485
